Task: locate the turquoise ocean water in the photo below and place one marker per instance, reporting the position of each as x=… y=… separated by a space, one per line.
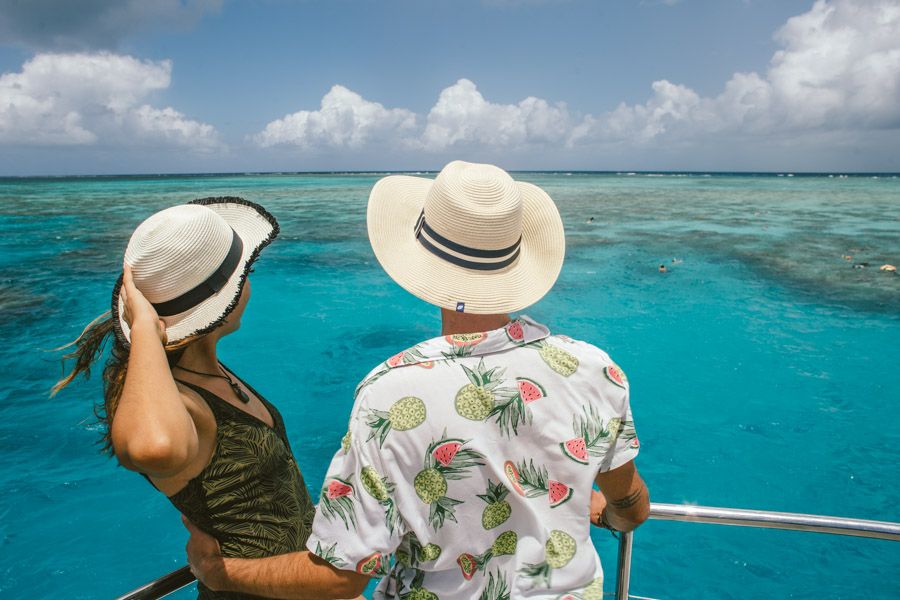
x=764 y=367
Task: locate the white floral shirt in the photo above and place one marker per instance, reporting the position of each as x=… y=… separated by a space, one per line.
x=468 y=464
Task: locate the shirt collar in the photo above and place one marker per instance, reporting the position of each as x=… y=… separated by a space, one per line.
x=518 y=332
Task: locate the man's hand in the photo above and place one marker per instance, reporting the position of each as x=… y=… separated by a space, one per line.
x=598 y=505
x=204 y=557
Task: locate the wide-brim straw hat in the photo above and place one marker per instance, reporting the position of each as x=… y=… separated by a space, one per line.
x=471 y=240
x=191 y=261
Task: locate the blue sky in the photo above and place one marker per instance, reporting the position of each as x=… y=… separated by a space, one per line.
x=129 y=86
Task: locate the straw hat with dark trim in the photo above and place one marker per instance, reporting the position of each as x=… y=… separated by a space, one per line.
x=471 y=240
x=190 y=261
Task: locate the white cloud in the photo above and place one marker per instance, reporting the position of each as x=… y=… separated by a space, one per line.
x=65 y=99
x=839 y=69
x=463 y=117
x=345 y=119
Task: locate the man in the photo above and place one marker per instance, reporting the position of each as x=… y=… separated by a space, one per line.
x=470 y=457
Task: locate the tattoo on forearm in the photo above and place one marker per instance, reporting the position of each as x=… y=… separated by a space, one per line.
x=629 y=500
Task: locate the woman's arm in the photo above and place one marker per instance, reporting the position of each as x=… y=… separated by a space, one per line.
x=152 y=431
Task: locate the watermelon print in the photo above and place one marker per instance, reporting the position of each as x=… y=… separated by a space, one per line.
x=616 y=375
x=530 y=390
x=422 y=484
x=515 y=331
x=595 y=438
x=337 y=501
x=576 y=449
x=446 y=452
x=430 y=483
x=558 y=493
x=534 y=482
x=513 y=412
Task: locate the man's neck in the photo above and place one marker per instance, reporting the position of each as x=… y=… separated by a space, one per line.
x=455 y=322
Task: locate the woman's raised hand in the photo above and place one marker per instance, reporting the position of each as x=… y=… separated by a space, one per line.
x=138 y=310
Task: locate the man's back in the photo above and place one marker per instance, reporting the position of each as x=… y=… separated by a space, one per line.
x=473 y=458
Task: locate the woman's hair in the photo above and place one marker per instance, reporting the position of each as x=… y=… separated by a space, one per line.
x=89 y=347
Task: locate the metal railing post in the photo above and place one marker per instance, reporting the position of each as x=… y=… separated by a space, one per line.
x=623 y=565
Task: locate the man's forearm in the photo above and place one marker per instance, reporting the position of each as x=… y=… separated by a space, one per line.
x=628 y=512
x=297 y=576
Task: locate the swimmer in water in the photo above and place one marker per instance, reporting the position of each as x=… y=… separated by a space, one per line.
x=662 y=268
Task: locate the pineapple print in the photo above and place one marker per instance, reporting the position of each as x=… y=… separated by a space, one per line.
x=405 y=414
x=497 y=510
x=594 y=591
x=593 y=438
x=558 y=551
x=381 y=489
x=463 y=344
x=496 y=589
x=346 y=441
x=446 y=459
x=328 y=554
x=476 y=399
x=416 y=591
x=337 y=501
x=411 y=552
x=556 y=358
x=504 y=545
x=530 y=481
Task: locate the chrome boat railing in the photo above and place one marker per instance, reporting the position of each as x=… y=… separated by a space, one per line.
x=763 y=519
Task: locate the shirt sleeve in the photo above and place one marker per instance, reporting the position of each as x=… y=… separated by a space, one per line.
x=357 y=525
x=625 y=445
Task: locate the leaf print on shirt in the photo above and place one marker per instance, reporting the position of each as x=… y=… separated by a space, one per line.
x=514 y=411
x=405 y=414
x=498 y=509
x=593 y=438
x=530 y=481
x=476 y=399
x=496 y=588
x=594 y=591
x=504 y=545
x=558 y=551
x=445 y=459
x=381 y=489
x=463 y=344
x=337 y=501
x=556 y=358
x=328 y=554
x=411 y=356
x=627 y=432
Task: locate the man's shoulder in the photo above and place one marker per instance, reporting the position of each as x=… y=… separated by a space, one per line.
x=583 y=350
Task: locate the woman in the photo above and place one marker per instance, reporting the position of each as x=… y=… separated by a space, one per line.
x=173 y=412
